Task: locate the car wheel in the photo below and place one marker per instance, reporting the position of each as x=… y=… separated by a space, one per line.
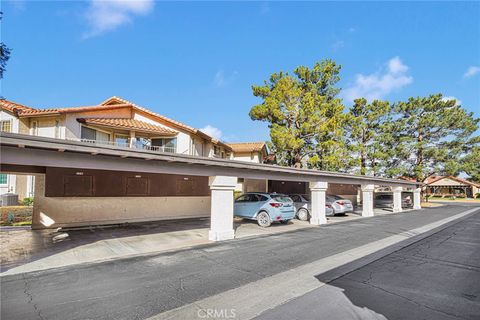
x=263 y=219
x=302 y=214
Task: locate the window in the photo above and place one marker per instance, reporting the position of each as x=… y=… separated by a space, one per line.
x=3 y=178
x=6 y=126
x=141 y=143
x=121 y=140
x=94 y=135
x=102 y=136
x=296 y=198
x=262 y=198
x=89 y=134
x=251 y=198
x=166 y=144
x=243 y=198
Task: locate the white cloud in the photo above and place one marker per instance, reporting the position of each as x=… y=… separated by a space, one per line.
x=221 y=79
x=471 y=71
x=212 y=131
x=107 y=15
x=379 y=84
x=458 y=102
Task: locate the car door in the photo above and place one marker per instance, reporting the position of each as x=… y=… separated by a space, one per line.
x=252 y=205
x=239 y=205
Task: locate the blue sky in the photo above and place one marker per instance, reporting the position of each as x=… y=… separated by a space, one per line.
x=196 y=61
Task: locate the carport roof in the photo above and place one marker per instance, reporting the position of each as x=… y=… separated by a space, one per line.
x=27 y=150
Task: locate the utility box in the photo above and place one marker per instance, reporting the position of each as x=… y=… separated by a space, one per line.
x=9 y=199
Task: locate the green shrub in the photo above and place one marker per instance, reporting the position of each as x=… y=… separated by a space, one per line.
x=477 y=195
x=28 y=201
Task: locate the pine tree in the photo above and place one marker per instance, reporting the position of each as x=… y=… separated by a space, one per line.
x=367 y=133
x=432 y=134
x=305 y=116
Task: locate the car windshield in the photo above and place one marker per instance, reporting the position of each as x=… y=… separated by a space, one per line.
x=281 y=198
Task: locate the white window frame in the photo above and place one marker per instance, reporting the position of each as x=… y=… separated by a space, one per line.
x=6 y=181
x=10 y=124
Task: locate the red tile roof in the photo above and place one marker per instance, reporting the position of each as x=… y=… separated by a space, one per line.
x=115 y=100
x=13 y=106
x=55 y=111
x=247 y=146
x=115 y=103
x=129 y=124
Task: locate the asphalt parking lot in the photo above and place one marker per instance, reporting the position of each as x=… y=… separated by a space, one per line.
x=435 y=278
x=149 y=286
x=25 y=250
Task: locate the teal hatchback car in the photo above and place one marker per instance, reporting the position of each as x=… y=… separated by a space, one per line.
x=265 y=208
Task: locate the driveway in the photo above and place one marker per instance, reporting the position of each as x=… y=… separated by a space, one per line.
x=26 y=250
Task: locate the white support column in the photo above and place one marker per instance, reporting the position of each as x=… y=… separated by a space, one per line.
x=319 y=190
x=416 y=198
x=397 y=199
x=132 y=139
x=221 y=217
x=367 y=200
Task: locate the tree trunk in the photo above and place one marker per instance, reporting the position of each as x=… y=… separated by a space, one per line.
x=363 y=163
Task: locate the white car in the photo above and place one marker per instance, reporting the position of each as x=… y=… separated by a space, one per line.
x=303 y=206
x=339 y=205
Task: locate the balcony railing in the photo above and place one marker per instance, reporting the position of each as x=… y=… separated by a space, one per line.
x=126 y=145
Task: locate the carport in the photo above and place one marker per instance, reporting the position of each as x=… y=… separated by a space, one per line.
x=40 y=155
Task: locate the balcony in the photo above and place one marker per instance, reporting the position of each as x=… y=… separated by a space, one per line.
x=127 y=145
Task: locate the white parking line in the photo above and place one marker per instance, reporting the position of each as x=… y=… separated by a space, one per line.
x=250 y=300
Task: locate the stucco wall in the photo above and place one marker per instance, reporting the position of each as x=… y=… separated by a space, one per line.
x=51 y=212
x=73 y=128
x=11 y=184
x=183 y=138
x=247 y=156
x=254 y=185
x=46 y=126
